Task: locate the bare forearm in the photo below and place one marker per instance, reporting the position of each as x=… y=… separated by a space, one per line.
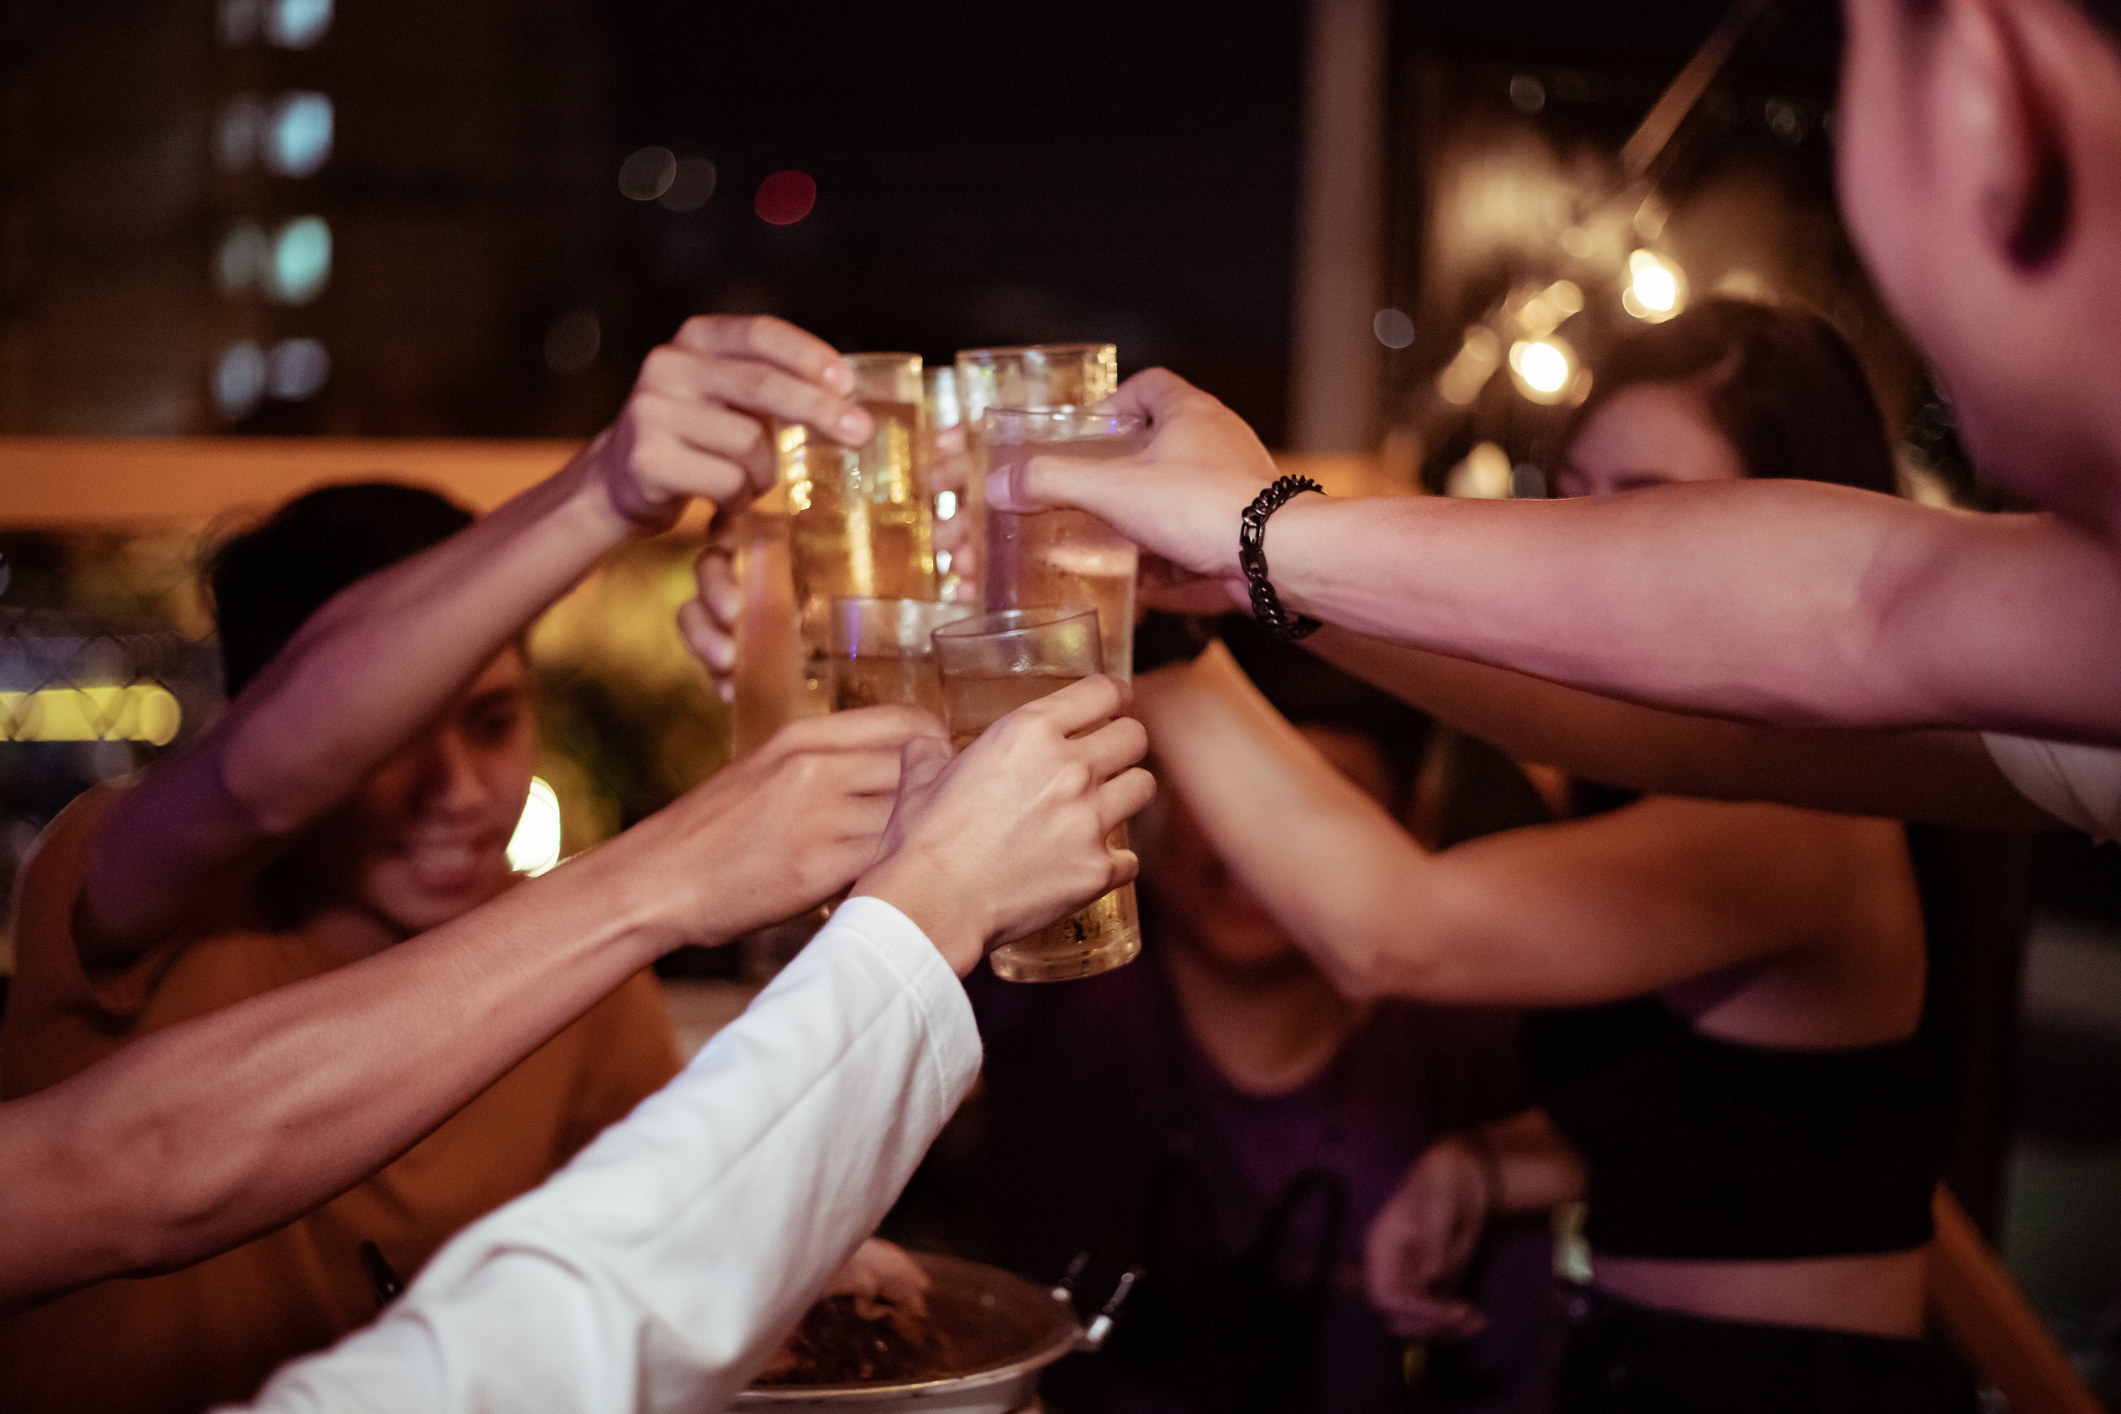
x=364 y=673
x=1789 y=602
x=1942 y=777
x=203 y=1135
x=383 y=656
x=1585 y=911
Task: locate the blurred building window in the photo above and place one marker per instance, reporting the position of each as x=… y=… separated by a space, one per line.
x=236 y=22
x=239 y=264
x=295 y=369
x=301 y=261
x=238 y=380
x=236 y=131
x=297 y=24
x=298 y=138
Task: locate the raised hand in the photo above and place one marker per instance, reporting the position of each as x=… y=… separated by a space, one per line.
x=994 y=844
x=1421 y=1239
x=696 y=423
x=768 y=836
x=1179 y=498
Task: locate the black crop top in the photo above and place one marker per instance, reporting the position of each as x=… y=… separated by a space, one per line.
x=1711 y=1150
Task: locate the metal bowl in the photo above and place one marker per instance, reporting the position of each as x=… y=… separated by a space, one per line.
x=1002 y=1331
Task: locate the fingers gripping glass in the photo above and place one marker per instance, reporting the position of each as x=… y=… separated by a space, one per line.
x=1045 y=559
x=992 y=665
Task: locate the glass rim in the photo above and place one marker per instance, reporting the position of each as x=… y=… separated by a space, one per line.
x=882 y=356
x=1130 y=421
x=994 y=352
x=1000 y=623
x=910 y=622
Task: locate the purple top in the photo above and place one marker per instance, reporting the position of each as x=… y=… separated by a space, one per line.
x=1100 y=1127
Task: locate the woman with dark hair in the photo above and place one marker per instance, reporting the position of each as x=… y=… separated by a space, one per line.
x=1739 y=1043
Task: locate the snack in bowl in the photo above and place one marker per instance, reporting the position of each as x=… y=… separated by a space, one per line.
x=871 y=1325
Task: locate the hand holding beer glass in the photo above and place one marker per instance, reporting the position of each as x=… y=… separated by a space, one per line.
x=992 y=665
x=860 y=523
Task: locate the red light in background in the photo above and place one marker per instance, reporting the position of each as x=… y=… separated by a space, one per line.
x=785 y=198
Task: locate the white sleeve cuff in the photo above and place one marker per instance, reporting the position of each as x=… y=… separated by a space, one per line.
x=2077 y=784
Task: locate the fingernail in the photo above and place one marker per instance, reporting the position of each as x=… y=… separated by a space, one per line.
x=839 y=377
x=854 y=427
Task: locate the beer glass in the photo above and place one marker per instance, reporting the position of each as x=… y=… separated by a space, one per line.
x=881 y=652
x=943 y=482
x=992 y=665
x=1036 y=376
x=1047 y=558
x=1026 y=376
x=859 y=522
x=771 y=689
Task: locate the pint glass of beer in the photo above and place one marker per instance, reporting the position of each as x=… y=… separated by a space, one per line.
x=1048 y=558
x=881 y=652
x=943 y=481
x=1025 y=376
x=992 y=665
x=860 y=523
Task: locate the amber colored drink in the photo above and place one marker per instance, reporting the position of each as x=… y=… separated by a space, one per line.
x=861 y=525
x=1101 y=935
x=1051 y=558
x=878 y=681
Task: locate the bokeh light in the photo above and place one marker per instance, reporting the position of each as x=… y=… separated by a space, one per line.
x=301 y=261
x=691 y=185
x=1484 y=475
x=535 y=845
x=1544 y=369
x=785 y=198
x=1656 y=288
x=240 y=261
x=1393 y=328
x=298 y=137
x=133 y=712
x=238 y=379
x=1468 y=371
x=296 y=369
x=647 y=173
x=297 y=24
x=237 y=129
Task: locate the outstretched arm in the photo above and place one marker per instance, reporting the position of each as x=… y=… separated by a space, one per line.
x=207 y=1133
x=660 y=1267
x=386 y=654
x=1942 y=777
x=1791 y=602
x=1583 y=911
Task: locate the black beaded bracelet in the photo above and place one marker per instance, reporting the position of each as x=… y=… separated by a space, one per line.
x=1252 y=558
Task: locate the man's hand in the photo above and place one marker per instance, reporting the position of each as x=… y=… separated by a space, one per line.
x=696 y=424
x=1179 y=498
x=707 y=621
x=768 y=836
x=1011 y=834
x=1420 y=1241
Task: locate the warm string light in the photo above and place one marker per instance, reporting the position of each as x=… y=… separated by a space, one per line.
x=132 y=712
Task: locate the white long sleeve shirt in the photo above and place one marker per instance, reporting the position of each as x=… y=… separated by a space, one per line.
x=2077 y=784
x=659 y=1268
